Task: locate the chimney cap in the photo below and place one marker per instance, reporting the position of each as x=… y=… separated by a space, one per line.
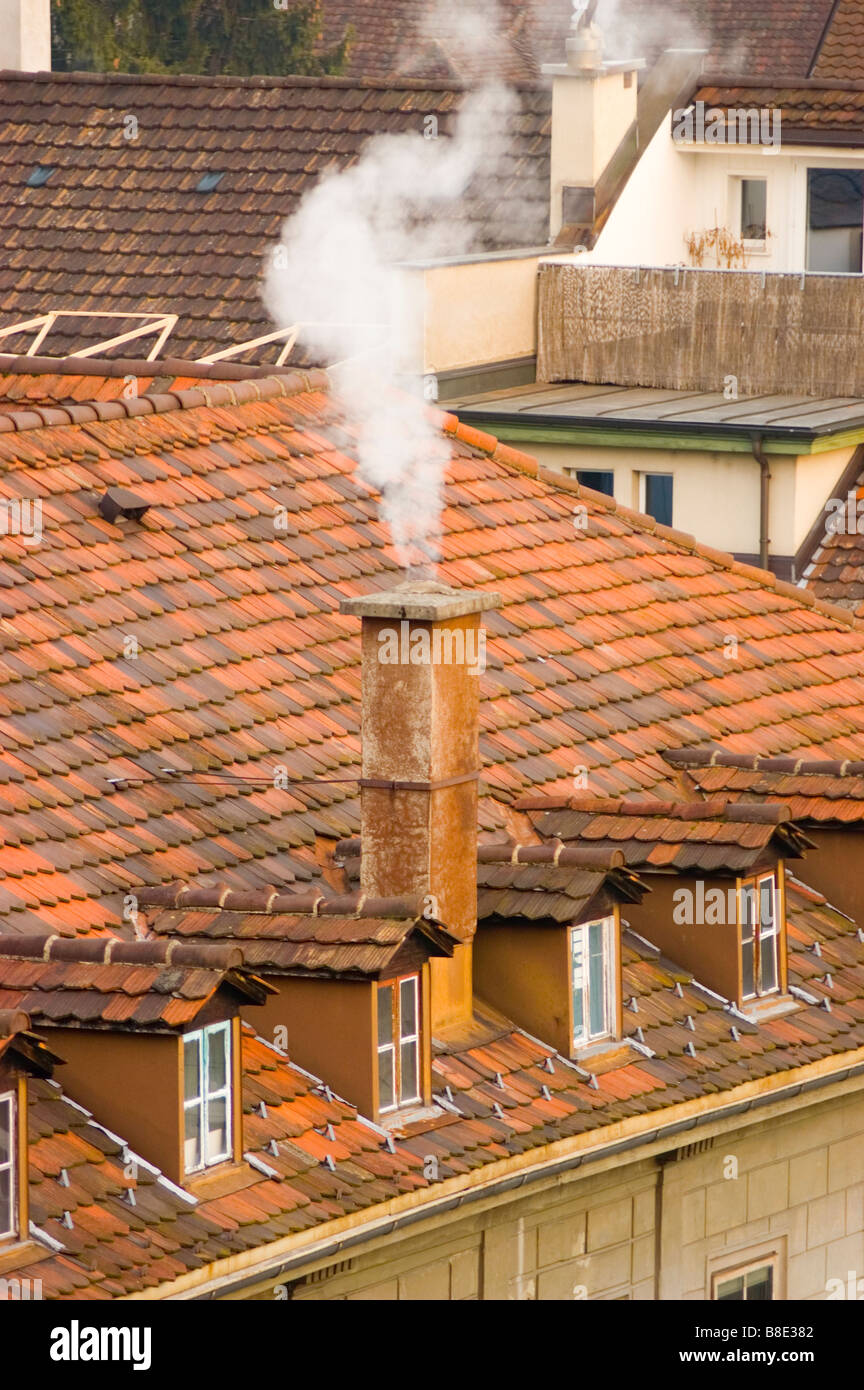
x=424 y=600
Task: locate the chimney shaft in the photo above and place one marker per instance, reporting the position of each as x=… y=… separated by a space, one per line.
x=594 y=105
x=423 y=655
x=25 y=35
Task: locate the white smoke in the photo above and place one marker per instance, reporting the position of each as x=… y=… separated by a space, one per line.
x=337 y=271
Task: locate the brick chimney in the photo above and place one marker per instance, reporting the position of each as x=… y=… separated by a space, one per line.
x=594 y=106
x=423 y=655
x=25 y=35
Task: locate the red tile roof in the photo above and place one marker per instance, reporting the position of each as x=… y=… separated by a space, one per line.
x=608 y=652
x=109 y=1246
x=119 y=225
x=97 y=982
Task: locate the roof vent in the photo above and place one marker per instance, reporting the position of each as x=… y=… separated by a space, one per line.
x=118 y=501
x=40 y=175
x=208 y=182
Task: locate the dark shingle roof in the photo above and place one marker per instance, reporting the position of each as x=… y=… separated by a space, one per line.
x=119 y=226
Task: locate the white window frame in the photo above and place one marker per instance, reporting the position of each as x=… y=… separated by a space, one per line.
x=751 y=245
x=610 y=978
x=10 y=1165
x=205 y=1097
x=754 y=881
x=398 y=1039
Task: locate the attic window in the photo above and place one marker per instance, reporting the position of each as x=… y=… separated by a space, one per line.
x=207 y=1096
x=760 y=928
x=40 y=175
x=7 y=1166
x=208 y=182
x=398 y=1042
x=592 y=977
x=118 y=501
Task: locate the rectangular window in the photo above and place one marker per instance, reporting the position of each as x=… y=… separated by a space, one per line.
x=600 y=482
x=656 y=496
x=754 y=1284
x=760 y=936
x=592 y=974
x=207 y=1096
x=754 y=210
x=399 y=1042
x=835 y=219
x=8 y=1204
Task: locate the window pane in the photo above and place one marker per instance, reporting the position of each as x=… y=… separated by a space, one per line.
x=768 y=964
x=408 y=1007
x=5 y=1130
x=5 y=1201
x=835 y=216
x=386 y=1080
x=754 y=207
x=759 y=1285
x=578 y=986
x=191 y=1066
x=731 y=1290
x=596 y=979
x=600 y=482
x=217 y=1068
x=217 y=1129
x=408 y=1077
x=385 y=1014
x=192 y=1148
x=748 y=982
x=747 y=913
x=658 y=497
x=766 y=905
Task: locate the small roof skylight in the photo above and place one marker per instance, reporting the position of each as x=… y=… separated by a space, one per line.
x=208 y=182
x=40 y=175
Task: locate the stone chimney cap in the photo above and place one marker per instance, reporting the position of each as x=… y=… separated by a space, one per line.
x=424 y=600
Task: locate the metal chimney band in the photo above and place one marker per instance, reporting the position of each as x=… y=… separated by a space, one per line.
x=384 y=785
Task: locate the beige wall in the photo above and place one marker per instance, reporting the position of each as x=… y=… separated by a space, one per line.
x=716 y=495
x=473 y=312
x=798 y=1192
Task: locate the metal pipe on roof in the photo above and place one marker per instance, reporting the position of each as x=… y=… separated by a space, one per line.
x=764 y=498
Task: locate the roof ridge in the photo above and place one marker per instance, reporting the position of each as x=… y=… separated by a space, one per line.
x=240 y=392
x=188 y=79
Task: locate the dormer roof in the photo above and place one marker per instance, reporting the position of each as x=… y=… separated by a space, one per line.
x=106 y=983
x=715 y=836
x=297 y=934
x=815 y=790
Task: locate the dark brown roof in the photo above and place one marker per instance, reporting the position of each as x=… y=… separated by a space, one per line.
x=812 y=112
x=415 y=36
x=97 y=982
x=717 y=835
x=814 y=790
x=292 y=934
x=836 y=570
x=539 y=890
x=119 y=224
x=22 y=1048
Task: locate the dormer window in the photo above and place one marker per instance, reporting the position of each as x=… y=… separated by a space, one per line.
x=592 y=974
x=8 y=1205
x=398 y=1042
x=760 y=930
x=207 y=1096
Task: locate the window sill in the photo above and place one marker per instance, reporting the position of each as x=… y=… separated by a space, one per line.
x=606 y=1050
x=217 y=1180
x=17 y=1254
x=769 y=1006
x=409 y=1114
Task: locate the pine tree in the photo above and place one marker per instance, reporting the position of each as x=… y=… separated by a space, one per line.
x=231 y=37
